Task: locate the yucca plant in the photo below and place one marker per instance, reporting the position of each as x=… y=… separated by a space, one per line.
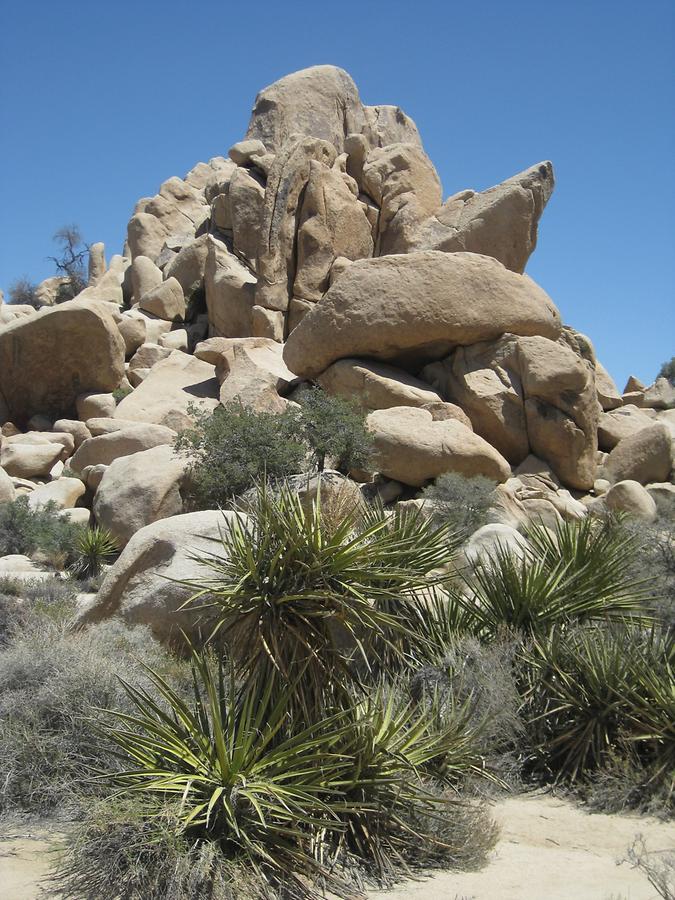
x=399 y=756
x=599 y=556
x=217 y=762
x=596 y=692
x=297 y=602
x=93 y=548
x=558 y=583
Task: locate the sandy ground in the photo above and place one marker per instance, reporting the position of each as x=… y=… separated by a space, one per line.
x=551 y=850
x=548 y=850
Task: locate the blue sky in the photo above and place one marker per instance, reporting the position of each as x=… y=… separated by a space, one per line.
x=100 y=103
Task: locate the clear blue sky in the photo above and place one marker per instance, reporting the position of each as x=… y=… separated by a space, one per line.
x=102 y=102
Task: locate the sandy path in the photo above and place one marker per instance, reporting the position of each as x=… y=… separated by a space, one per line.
x=549 y=850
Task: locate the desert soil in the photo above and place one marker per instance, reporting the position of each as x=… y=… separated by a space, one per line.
x=548 y=850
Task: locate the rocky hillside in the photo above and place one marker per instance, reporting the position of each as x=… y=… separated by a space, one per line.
x=321 y=250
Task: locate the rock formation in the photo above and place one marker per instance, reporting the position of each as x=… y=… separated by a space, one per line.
x=319 y=250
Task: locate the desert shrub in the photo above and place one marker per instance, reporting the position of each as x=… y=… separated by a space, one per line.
x=235 y=447
x=22 y=599
x=657 y=865
x=461 y=501
x=70 y=263
x=655 y=555
x=116 y=850
x=484 y=678
x=232 y=448
x=334 y=428
x=303 y=604
x=51 y=682
x=121 y=392
x=24 y=530
x=92 y=549
x=599 y=693
x=667 y=370
x=23 y=292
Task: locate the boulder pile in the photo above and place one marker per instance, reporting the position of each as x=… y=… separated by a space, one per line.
x=321 y=250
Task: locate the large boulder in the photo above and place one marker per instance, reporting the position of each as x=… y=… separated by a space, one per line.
x=415 y=307
x=500 y=222
x=320 y=102
x=245 y=203
x=403 y=182
x=171 y=388
x=616 y=424
x=251 y=371
x=376 y=385
x=528 y=394
x=631 y=498
x=660 y=395
x=63 y=493
x=412 y=448
x=49 y=359
x=179 y=208
x=144 y=586
x=645 y=456
x=7 y=489
x=331 y=224
x=609 y=396
x=139 y=489
x=29 y=460
x=106 y=448
x=230 y=292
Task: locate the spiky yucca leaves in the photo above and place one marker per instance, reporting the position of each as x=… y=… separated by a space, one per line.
x=300 y=603
x=399 y=756
x=578 y=573
x=93 y=548
x=600 y=557
x=291 y=804
x=598 y=691
x=217 y=763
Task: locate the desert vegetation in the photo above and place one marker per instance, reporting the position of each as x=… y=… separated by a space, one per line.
x=354 y=701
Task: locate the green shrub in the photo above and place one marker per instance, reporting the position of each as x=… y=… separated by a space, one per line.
x=93 y=548
x=234 y=447
x=461 y=501
x=284 y=796
x=667 y=370
x=578 y=572
x=24 y=530
x=333 y=428
x=121 y=392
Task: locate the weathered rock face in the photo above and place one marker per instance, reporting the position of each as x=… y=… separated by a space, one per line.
x=143 y=586
x=7 y=489
x=170 y=388
x=500 y=222
x=403 y=182
x=376 y=385
x=250 y=371
x=528 y=394
x=285 y=186
x=413 y=448
x=331 y=224
x=417 y=306
x=230 y=293
x=615 y=425
x=630 y=497
x=321 y=102
x=47 y=360
x=608 y=393
x=139 y=489
x=645 y=457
